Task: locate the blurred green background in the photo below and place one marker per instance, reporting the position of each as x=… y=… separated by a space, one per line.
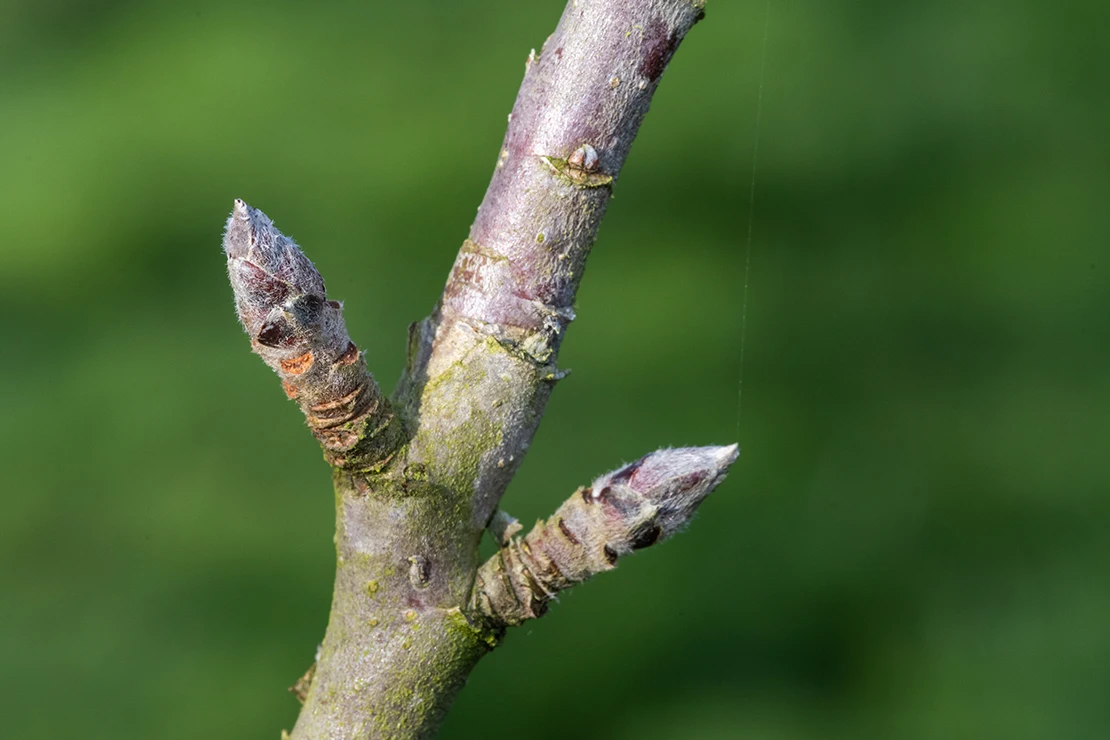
x=915 y=541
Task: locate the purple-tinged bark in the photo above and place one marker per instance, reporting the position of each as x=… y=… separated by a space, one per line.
x=510 y=296
x=578 y=111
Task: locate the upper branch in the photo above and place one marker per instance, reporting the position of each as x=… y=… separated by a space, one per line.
x=579 y=109
x=486 y=358
x=283 y=305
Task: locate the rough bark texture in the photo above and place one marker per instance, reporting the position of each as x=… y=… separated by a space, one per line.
x=418 y=481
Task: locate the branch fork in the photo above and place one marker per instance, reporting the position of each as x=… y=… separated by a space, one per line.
x=418 y=478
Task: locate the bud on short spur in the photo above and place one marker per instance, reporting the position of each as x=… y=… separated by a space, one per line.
x=268 y=272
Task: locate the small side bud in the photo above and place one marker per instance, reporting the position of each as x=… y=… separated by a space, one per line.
x=503 y=527
x=584 y=158
x=582 y=168
x=419 y=571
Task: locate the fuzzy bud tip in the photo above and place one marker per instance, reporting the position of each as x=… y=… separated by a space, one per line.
x=672 y=481
x=267 y=268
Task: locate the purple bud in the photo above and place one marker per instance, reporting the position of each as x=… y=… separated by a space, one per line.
x=674 y=481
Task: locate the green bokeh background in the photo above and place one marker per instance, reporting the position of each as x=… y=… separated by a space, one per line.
x=916 y=541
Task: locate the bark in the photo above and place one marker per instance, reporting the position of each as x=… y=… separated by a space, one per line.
x=418 y=480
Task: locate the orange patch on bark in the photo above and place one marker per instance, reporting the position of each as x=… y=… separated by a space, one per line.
x=297 y=365
x=338 y=403
x=348 y=356
x=290 y=391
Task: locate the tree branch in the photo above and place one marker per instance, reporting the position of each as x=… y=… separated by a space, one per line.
x=626 y=510
x=300 y=334
x=494 y=337
x=417 y=482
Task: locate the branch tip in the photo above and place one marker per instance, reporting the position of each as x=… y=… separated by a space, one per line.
x=282 y=303
x=625 y=510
